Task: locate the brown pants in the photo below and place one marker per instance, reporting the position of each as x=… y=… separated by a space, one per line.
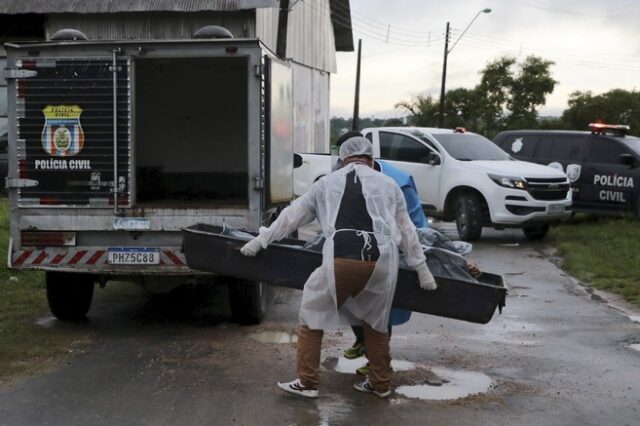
x=351 y=278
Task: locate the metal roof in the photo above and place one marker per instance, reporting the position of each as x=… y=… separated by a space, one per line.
x=340 y=10
x=12 y=7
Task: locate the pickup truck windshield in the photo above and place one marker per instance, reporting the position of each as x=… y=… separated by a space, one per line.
x=469 y=147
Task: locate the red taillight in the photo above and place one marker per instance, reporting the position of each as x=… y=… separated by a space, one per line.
x=22 y=169
x=49 y=201
x=48 y=238
x=122 y=200
x=28 y=64
x=460 y=130
x=22 y=88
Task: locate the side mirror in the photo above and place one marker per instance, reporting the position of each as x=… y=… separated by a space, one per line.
x=433 y=159
x=297 y=160
x=627 y=160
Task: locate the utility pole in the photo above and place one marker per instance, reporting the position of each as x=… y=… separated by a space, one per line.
x=444 y=63
x=444 y=77
x=356 y=104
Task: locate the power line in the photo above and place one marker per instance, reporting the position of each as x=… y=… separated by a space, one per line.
x=376 y=23
x=476 y=44
x=547 y=8
x=372 y=33
x=572 y=54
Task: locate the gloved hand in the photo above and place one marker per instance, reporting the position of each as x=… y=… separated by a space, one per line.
x=427 y=282
x=251 y=248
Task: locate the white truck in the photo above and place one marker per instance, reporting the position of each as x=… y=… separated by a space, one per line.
x=464 y=177
x=115 y=146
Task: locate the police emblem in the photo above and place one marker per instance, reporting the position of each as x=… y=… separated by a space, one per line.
x=573 y=172
x=62 y=135
x=517 y=145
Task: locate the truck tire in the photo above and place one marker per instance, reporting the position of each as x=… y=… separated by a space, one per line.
x=247 y=301
x=469 y=217
x=69 y=295
x=535 y=233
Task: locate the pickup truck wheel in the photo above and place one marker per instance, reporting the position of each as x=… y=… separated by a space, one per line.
x=69 y=295
x=469 y=217
x=535 y=233
x=247 y=301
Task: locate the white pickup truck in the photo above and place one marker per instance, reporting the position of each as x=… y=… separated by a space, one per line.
x=465 y=177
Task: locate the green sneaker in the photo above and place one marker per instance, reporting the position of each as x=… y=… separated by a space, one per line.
x=355 y=351
x=365 y=370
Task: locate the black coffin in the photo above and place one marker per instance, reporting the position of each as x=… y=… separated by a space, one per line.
x=287 y=263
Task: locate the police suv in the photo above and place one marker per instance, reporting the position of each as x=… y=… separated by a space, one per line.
x=601 y=164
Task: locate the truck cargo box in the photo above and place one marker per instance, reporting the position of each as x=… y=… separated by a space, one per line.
x=287 y=263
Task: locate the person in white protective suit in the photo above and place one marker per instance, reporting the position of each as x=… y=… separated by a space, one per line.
x=363 y=216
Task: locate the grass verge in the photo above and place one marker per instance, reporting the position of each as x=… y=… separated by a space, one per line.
x=602 y=252
x=25 y=346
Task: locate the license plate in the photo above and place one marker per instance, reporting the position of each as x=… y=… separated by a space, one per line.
x=134 y=256
x=555 y=208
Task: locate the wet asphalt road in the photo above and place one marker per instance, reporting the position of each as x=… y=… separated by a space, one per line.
x=555 y=357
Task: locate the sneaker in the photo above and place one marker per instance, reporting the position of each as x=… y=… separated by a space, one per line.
x=297 y=388
x=366 y=386
x=355 y=351
x=366 y=369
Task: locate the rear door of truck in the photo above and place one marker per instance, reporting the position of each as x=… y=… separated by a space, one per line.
x=68 y=147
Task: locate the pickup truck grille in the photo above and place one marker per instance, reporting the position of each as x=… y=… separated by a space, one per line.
x=548 y=188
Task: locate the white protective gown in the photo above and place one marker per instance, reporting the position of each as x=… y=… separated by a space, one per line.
x=392 y=227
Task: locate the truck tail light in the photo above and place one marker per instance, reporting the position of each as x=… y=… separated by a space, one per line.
x=49 y=201
x=22 y=88
x=48 y=238
x=22 y=169
x=27 y=64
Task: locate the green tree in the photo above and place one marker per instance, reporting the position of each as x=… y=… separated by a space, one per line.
x=493 y=93
x=615 y=107
x=528 y=91
x=462 y=108
x=507 y=97
x=423 y=111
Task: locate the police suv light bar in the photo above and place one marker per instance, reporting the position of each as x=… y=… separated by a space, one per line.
x=603 y=127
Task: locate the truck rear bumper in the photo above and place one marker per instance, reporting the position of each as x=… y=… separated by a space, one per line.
x=94 y=260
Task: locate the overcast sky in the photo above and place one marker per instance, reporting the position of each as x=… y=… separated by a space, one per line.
x=595 y=45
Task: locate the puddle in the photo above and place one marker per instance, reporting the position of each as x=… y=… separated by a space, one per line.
x=456 y=385
x=349 y=366
x=333 y=412
x=46 y=322
x=634 y=318
x=277 y=337
x=635 y=347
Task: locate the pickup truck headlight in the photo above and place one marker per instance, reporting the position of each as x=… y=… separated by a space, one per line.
x=509 y=181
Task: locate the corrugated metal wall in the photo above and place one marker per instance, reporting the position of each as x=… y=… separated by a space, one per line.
x=152 y=25
x=310 y=39
x=115 y=6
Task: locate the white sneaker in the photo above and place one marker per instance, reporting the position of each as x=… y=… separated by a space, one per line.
x=297 y=388
x=366 y=386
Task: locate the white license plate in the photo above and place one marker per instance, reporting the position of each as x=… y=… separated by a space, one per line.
x=555 y=208
x=134 y=256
